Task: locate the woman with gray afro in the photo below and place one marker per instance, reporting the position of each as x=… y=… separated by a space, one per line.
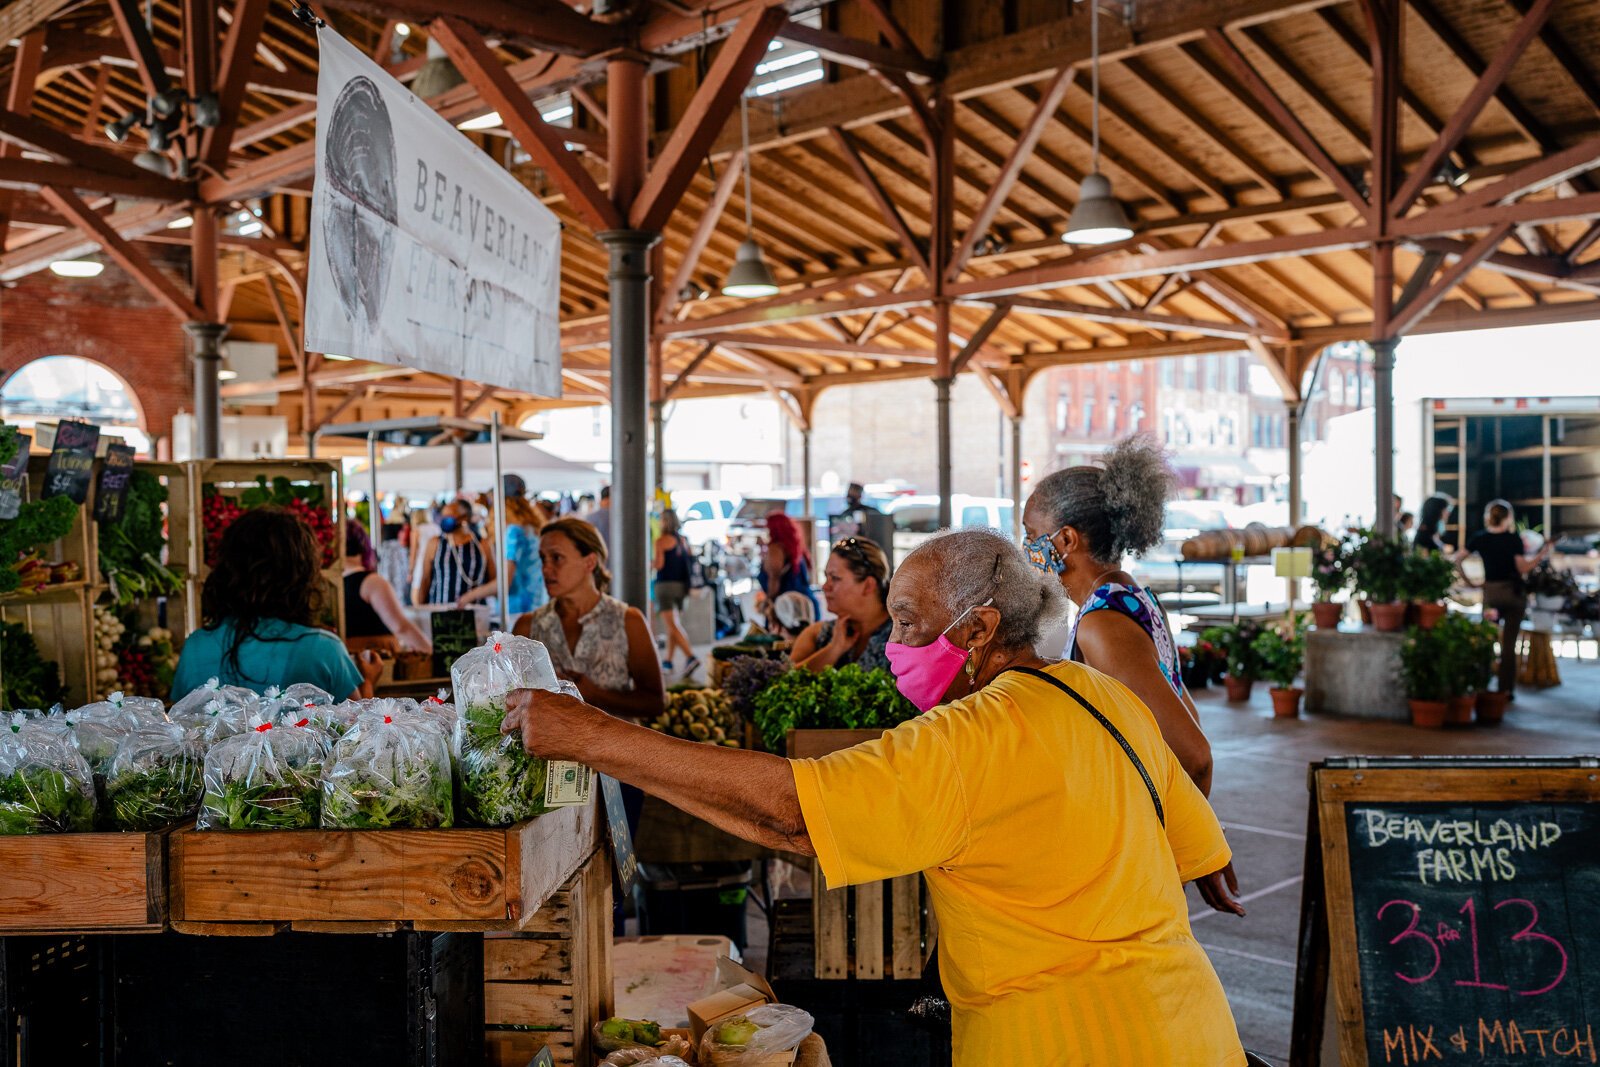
x=1081 y=522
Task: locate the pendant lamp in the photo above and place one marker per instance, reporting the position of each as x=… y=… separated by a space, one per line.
x=749 y=276
x=1098 y=219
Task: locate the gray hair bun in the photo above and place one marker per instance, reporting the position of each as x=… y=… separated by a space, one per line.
x=1136 y=482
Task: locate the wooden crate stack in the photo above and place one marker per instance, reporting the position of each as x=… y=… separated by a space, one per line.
x=850 y=937
x=185 y=541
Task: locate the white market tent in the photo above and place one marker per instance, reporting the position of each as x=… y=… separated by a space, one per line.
x=428 y=472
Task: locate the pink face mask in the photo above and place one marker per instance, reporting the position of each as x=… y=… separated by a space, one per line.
x=923 y=673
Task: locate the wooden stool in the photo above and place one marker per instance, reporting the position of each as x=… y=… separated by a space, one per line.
x=1538 y=662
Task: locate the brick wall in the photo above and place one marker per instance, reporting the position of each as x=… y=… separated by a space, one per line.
x=111 y=320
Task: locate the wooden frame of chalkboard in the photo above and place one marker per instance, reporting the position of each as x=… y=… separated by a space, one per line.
x=1501 y=978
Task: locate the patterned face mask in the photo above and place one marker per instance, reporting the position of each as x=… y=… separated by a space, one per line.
x=1042 y=552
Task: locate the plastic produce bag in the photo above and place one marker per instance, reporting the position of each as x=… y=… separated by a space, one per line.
x=306 y=695
x=763 y=1031
x=99 y=728
x=269 y=778
x=636 y=1041
x=648 y=1057
x=500 y=783
x=389 y=770
x=46 y=786
x=191 y=711
x=156 y=777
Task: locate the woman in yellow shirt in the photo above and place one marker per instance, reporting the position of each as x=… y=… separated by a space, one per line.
x=1053 y=824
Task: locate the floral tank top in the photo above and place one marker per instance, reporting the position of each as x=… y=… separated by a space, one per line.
x=1140 y=606
x=601 y=654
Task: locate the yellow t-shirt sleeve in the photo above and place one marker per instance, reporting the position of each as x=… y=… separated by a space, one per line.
x=1192 y=828
x=880 y=810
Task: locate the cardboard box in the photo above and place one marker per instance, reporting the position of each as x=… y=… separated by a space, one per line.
x=738 y=991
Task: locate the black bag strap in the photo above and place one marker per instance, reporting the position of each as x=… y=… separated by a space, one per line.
x=1138 y=764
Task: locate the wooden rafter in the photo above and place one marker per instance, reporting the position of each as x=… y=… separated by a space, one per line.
x=703 y=230
x=880 y=198
x=118 y=248
x=1574 y=66
x=130 y=23
x=233 y=68
x=1425 y=301
x=1541 y=173
x=1165 y=148
x=1113 y=159
x=1179 y=102
x=1117 y=316
x=848 y=349
x=979 y=338
x=19 y=100
x=853 y=52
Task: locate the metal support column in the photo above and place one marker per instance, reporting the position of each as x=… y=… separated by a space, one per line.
x=658 y=452
x=500 y=611
x=629 y=279
x=1294 y=462
x=805 y=469
x=374 y=519
x=1383 y=433
x=205 y=345
x=942 y=386
x=1016 y=477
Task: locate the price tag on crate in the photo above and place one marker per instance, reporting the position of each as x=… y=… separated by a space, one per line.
x=621 y=836
x=111 y=495
x=71 y=464
x=543 y=1058
x=13 y=475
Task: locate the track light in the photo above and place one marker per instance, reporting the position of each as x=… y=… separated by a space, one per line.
x=154 y=162
x=207 y=111
x=168 y=103
x=117 y=129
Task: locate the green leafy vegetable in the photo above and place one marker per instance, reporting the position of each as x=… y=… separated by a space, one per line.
x=847 y=698
x=421 y=803
x=38 y=523
x=27 y=679
x=154 y=796
x=292 y=802
x=389 y=771
x=500 y=783
x=44 y=800
x=130 y=549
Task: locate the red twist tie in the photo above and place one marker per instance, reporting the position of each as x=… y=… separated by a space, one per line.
x=303 y=722
x=497 y=647
x=387 y=719
x=435 y=700
x=263 y=728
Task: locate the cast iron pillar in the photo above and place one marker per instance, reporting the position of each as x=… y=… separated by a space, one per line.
x=205 y=346
x=629 y=278
x=658 y=454
x=805 y=469
x=1293 y=421
x=1383 y=432
x=942 y=386
x=1016 y=477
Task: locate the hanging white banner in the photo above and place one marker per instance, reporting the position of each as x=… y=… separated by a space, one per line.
x=424 y=251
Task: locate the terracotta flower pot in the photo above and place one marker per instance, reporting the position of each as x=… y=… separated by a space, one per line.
x=1388 y=618
x=1238 y=688
x=1428 y=615
x=1326 y=614
x=1366 y=612
x=1428 y=713
x=1286 y=703
x=1491 y=708
x=1460 y=713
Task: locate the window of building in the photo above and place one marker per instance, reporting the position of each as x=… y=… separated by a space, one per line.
x=1111 y=412
x=67 y=387
x=1135 y=417
x=1169 y=374
x=1213 y=372
x=1191 y=373
x=1088 y=415
x=1063 y=410
x=1336 y=389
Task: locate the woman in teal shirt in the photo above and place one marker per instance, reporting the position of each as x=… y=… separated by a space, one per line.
x=258 y=610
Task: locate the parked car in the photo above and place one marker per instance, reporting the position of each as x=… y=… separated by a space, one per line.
x=1165 y=570
x=705 y=515
x=916 y=518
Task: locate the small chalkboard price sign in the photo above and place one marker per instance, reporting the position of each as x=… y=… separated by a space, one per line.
x=621 y=837
x=111 y=493
x=1452 y=905
x=454 y=634
x=71 y=465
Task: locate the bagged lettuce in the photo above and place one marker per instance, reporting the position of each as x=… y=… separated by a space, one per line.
x=500 y=783
x=156 y=777
x=389 y=770
x=46 y=786
x=268 y=778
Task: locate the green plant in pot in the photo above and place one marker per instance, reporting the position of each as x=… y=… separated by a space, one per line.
x=1426 y=579
x=1330 y=573
x=1377 y=562
x=1280 y=653
x=1236 y=643
x=1424 y=674
x=1482 y=643
x=1456 y=642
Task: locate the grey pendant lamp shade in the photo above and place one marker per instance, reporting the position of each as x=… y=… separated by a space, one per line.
x=749 y=276
x=1098 y=219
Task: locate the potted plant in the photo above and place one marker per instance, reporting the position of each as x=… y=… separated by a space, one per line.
x=1551 y=588
x=1376 y=561
x=1330 y=573
x=1426 y=579
x=1455 y=640
x=1236 y=644
x=1280 y=652
x=1196 y=662
x=1490 y=705
x=1423 y=675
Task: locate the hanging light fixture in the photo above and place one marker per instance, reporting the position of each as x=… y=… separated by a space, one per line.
x=1098 y=219
x=437 y=74
x=750 y=276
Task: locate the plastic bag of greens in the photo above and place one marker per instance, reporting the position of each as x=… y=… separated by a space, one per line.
x=388 y=771
x=306 y=695
x=192 y=711
x=500 y=783
x=762 y=1031
x=269 y=778
x=99 y=728
x=156 y=777
x=46 y=786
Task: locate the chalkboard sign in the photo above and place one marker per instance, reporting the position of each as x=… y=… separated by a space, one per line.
x=1458 y=906
x=543 y=1058
x=12 y=476
x=455 y=633
x=111 y=494
x=71 y=463
x=621 y=835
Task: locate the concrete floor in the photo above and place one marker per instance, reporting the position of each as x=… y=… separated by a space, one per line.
x=1259 y=792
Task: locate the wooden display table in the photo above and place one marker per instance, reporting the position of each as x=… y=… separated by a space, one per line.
x=83 y=883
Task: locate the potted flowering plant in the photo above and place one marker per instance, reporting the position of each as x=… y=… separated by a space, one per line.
x=1426 y=579
x=1423 y=672
x=1330 y=573
x=1482 y=640
x=1235 y=641
x=1456 y=640
x=1377 y=561
x=1280 y=653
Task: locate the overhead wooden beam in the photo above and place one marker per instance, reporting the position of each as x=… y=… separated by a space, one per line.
x=119 y=249
x=1285 y=121
x=979 y=338
x=1541 y=173
x=19 y=129
x=233 y=69
x=1295 y=72
x=1007 y=406
x=1576 y=69
x=1021 y=149
x=549 y=25
x=1116 y=316
x=19 y=100
x=849 y=349
x=21 y=17
x=854 y=52
x=141 y=46
x=1110 y=157
x=704 y=227
x=1179 y=102
x=1421 y=305
x=1461 y=120
x=68 y=49
x=291 y=338
x=546 y=143
x=880 y=198
x=485 y=394
x=790 y=310
x=697 y=128
x=682 y=377
x=32 y=173
x=777 y=373
x=889 y=26
x=1166 y=148
x=1275 y=359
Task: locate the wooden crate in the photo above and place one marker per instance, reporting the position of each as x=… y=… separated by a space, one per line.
x=233 y=476
x=850 y=935
x=185 y=543
x=371 y=881
x=83 y=883
x=549 y=983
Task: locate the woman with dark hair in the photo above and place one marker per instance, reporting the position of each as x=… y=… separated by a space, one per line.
x=785 y=565
x=1080 y=523
x=1504 y=565
x=596 y=641
x=1435 y=517
x=258 y=611
x=856 y=587
x=373 y=616
x=672 y=568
